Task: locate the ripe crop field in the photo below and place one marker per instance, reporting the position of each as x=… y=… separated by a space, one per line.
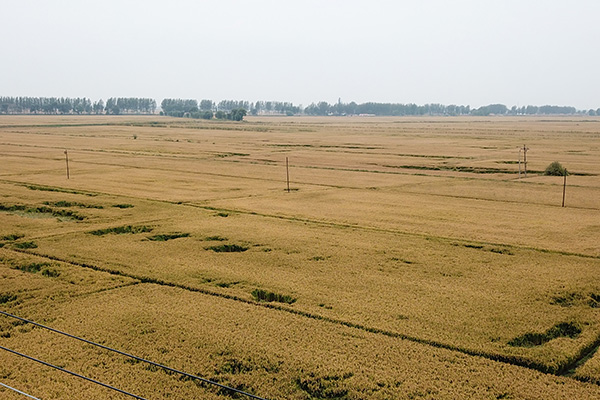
x=409 y=259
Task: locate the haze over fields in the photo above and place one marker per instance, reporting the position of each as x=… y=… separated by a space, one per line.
x=463 y=52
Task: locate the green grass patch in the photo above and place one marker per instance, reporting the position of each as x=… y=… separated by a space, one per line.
x=324 y=387
x=12 y=237
x=25 y=245
x=55 y=189
x=226 y=284
x=567 y=299
x=33 y=267
x=123 y=206
x=15 y=207
x=564 y=329
x=7 y=297
x=42 y=210
x=402 y=260
x=66 y=204
x=215 y=239
x=263 y=295
x=501 y=251
x=594 y=300
x=121 y=230
x=227 y=248
x=50 y=273
x=163 y=237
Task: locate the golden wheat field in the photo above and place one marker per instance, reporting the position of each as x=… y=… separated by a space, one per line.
x=408 y=259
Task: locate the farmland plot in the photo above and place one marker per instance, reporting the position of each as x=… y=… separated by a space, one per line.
x=398 y=236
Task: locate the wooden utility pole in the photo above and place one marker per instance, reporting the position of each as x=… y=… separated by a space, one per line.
x=287 y=170
x=520 y=162
x=525 y=160
x=564 y=188
x=67 y=159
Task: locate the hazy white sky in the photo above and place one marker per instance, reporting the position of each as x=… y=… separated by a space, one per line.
x=474 y=52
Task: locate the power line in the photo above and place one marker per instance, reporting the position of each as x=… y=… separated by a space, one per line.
x=207 y=381
x=18 y=391
x=72 y=373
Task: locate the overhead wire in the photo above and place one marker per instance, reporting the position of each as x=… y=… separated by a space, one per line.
x=204 y=380
x=18 y=391
x=72 y=373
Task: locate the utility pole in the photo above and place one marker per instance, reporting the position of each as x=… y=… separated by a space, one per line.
x=520 y=149
x=525 y=160
x=67 y=159
x=287 y=170
x=564 y=187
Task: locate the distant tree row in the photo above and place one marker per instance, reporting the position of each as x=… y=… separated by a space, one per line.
x=66 y=105
x=207 y=109
x=189 y=108
x=259 y=107
x=179 y=107
x=501 y=109
x=129 y=105
x=391 y=109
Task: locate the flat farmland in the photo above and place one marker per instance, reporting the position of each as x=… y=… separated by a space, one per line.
x=409 y=259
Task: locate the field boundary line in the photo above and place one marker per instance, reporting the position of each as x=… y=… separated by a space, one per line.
x=512 y=360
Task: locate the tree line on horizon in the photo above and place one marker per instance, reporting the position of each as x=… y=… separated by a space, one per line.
x=78 y=106
x=233 y=109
